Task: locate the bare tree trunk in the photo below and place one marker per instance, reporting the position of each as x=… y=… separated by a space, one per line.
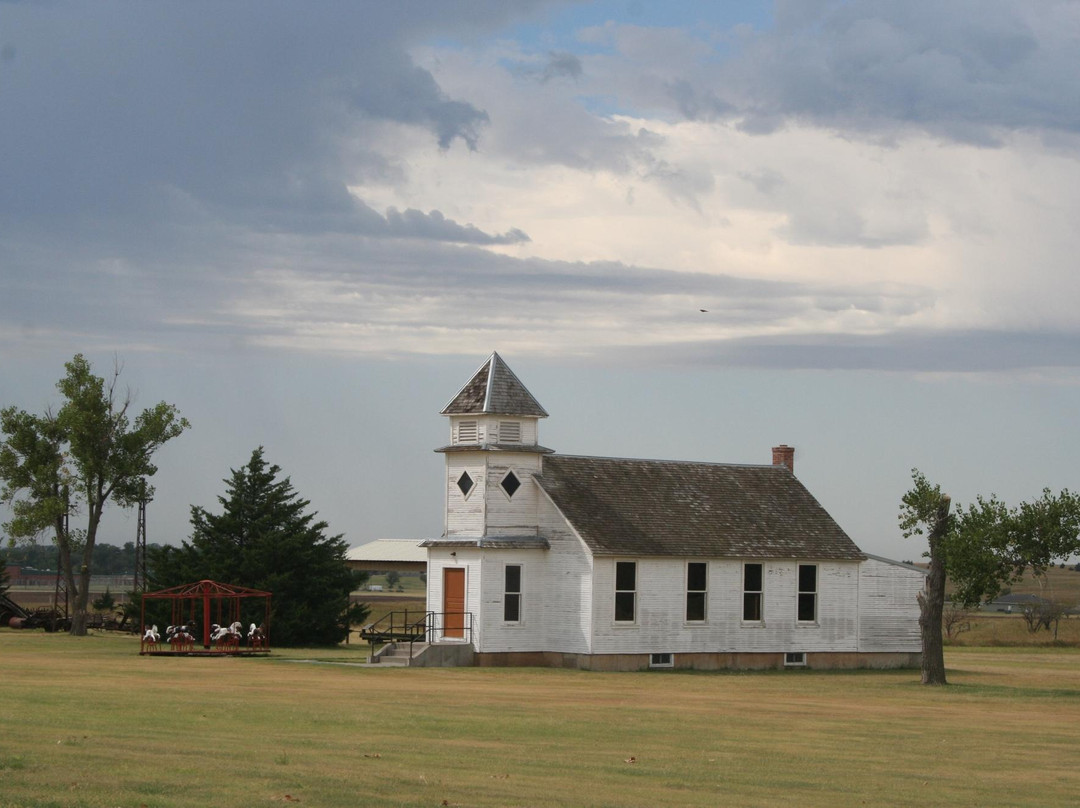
x=82 y=598
x=63 y=541
x=932 y=603
x=82 y=594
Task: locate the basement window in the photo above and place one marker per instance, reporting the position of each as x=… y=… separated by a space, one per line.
x=796 y=659
x=510 y=483
x=661 y=660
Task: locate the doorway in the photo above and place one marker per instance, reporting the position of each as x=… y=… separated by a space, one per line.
x=454 y=602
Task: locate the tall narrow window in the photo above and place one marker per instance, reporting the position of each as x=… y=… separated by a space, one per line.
x=625 y=591
x=512 y=594
x=696 y=591
x=752 y=591
x=807 y=593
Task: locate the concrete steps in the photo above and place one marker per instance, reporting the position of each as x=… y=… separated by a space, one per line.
x=398 y=653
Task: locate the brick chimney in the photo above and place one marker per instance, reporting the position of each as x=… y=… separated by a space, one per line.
x=784 y=455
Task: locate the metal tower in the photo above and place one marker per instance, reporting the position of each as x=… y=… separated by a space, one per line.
x=140 y=543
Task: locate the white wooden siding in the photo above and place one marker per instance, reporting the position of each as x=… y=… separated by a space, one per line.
x=516 y=515
x=499 y=635
x=488 y=428
x=567 y=625
x=470 y=560
x=465 y=516
x=661 y=602
x=888 y=607
x=488 y=510
x=556 y=592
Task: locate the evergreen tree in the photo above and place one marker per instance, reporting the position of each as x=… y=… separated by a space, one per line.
x=264 y=538
x=105 y=603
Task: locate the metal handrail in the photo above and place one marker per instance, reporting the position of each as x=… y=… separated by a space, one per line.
x=431 y=627
x=436 y=626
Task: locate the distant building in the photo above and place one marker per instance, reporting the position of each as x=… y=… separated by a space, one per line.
x=1013 y=603
x=383 y=555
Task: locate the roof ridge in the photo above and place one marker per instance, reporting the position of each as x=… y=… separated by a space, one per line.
x=662 y=460
x=490 y=379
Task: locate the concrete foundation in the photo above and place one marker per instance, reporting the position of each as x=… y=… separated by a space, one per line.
x=698 y=661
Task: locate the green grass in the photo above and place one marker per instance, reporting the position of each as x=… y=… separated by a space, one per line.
x=88 y=722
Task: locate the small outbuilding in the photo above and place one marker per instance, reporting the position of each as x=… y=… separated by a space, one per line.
x=384 y=555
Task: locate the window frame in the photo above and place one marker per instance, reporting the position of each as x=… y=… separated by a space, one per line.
x=663 y=659
x=513 y=596
x=806 y=596
x=472 y=489
x=632 y=593
x=697 y=594
x=502 y=484
x=475 y=432
x=510 y=426
x=758 y=594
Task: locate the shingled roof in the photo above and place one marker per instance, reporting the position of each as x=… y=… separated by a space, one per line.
x=494 y=390
x=682 y=509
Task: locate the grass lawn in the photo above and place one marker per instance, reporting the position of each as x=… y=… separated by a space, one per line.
x=88 y=722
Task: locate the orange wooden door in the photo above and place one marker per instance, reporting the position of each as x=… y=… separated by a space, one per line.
x=454 y=602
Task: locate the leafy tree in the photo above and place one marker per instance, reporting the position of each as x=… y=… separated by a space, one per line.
x=980 y=549
x=393 y=578
x=77 y=459
x=927 y=511
x=264 y=538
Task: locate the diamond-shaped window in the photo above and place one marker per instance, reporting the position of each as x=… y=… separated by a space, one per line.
x=510 y=484
x=465 y=483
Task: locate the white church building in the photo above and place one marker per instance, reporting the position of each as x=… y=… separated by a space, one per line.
x=621 y=564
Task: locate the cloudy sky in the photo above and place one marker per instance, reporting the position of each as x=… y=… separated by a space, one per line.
x=306 y=225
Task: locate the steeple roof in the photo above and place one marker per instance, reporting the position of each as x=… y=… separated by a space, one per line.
x=494 y=390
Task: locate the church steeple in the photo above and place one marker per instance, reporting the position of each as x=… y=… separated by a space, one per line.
x=493 y=455
x=494 y=390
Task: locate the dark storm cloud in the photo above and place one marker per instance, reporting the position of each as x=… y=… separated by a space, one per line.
x=241 y=107
x=964 y=70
